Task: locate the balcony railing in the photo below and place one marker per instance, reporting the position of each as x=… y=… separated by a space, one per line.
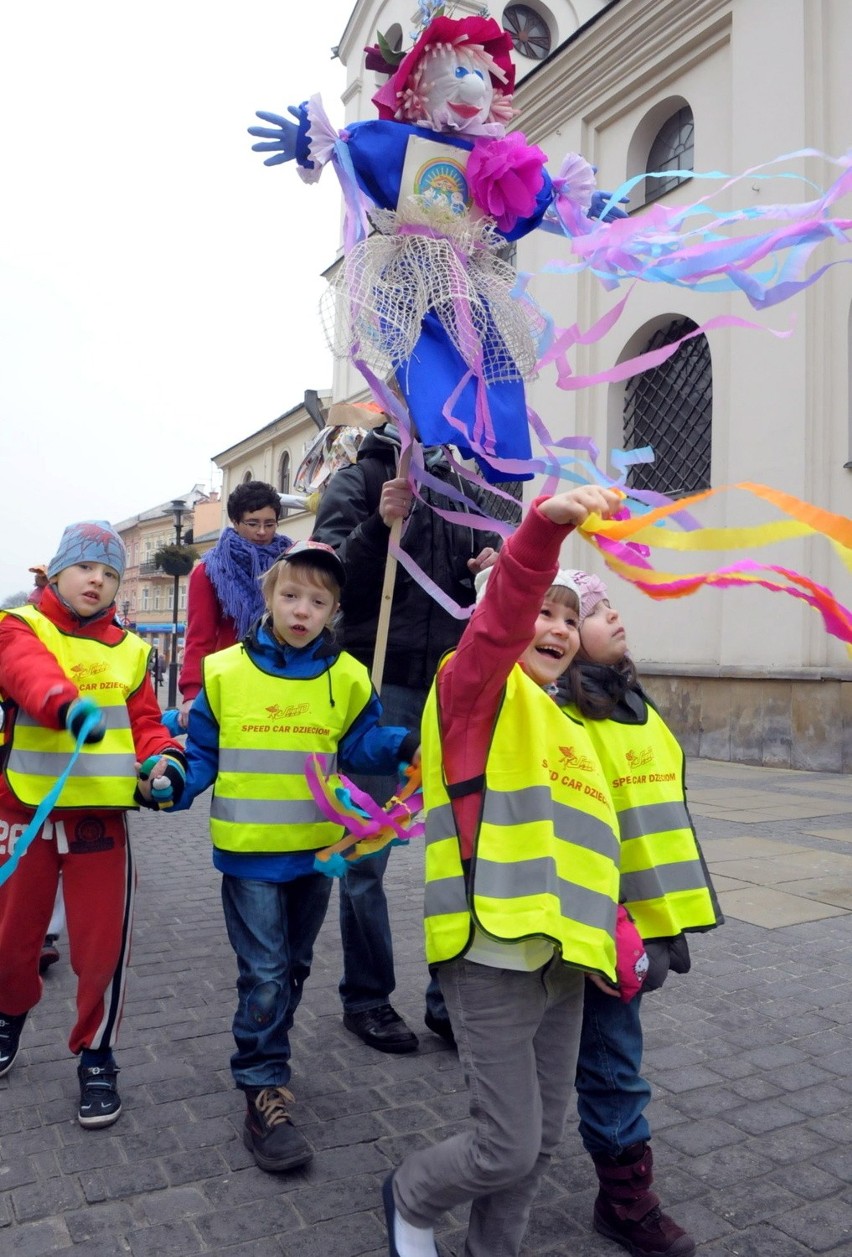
x=153 y=569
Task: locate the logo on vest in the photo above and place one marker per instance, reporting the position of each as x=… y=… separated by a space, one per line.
x=89 y=835
x=638 y=759
x=641 y=759
x=80 y=671
x=571 y=759
x=85 y=675
x=278 y=720
x=277 y=712
x=581 y=764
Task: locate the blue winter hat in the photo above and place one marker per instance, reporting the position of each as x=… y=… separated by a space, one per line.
x=90 y=541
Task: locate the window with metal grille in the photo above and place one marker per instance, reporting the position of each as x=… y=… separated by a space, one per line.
x=673 y=149
x=528 y=31
x=670 y=408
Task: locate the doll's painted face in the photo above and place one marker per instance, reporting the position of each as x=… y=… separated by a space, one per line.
x=454 y=90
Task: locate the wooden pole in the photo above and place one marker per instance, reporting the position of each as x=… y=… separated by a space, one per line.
x=386 y=602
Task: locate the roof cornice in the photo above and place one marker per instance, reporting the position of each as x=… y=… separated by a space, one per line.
x=603 y=70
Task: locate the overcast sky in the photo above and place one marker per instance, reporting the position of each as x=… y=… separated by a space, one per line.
x=158 y=284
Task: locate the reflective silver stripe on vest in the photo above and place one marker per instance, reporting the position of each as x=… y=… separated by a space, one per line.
x=445 y=895
x=653 y=818
x=538 y=877
x=266 y=811
x=52 y=763
x=521 y=807
x=440 y=823
x=116 y=717
x=663 y=879
x=246 y=760
x=512 y=881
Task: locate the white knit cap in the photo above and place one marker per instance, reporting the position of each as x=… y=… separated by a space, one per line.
x=563 y=578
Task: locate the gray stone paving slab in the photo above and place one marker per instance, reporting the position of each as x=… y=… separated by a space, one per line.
x=749 y=1058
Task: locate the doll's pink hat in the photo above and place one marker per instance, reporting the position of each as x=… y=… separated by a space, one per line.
x=458 y=31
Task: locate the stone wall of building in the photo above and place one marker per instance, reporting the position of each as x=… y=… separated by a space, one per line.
x=774 y=721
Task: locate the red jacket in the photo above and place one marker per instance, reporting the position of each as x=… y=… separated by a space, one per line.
x=207 y=629
x=471 y=683
x=31 y=677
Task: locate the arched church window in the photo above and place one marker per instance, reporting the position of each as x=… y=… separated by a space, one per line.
x=670 y=408
x=673 y=149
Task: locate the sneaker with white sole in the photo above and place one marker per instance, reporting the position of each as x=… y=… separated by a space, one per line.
x=100 y=1104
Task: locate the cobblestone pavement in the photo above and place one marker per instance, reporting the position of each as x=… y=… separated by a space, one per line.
x=750 y=1058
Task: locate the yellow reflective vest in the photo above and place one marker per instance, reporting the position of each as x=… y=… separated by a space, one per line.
x=664 y=882
x=267 y=728
x=545 y=858
x=104 y=775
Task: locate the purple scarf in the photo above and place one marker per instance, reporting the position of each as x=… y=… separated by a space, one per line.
x=235 y=567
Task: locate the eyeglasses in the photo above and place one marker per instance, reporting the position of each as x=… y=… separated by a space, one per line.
x=260 y=525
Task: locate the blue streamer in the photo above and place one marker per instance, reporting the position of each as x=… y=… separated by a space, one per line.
x=48 y=802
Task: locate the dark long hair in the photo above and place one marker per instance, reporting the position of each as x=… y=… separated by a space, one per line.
x=597 y=689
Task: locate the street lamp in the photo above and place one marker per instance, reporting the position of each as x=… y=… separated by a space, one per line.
x=125 y=613
x=178 y=508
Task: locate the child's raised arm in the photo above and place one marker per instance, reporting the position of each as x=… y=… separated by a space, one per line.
x=503 y=624
x=576 y=505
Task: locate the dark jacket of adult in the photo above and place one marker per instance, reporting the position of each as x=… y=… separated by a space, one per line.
x=348 y=519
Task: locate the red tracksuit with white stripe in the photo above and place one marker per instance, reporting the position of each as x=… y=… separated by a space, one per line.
x=88 y=845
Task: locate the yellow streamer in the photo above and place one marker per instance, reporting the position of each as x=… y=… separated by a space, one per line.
x=805 y=520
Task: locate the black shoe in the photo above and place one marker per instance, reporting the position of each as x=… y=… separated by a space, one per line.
x=11 y=1025
x=100 y=1104
x=381 y=1028
x=268 y=1133
x=440 y=1026
x=49 y=953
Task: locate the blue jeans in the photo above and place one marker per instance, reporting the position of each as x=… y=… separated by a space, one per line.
x=611 y=1093
x=368 y=973
x=272 y=927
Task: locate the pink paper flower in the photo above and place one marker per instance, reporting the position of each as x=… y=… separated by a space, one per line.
x=505 y=176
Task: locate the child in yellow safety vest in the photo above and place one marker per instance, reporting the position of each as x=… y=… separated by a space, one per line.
x=266 y=704
x=666 y=888
x=65 y=666
x=522 y=877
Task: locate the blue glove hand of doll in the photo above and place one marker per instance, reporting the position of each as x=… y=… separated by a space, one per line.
x=599 y=201
x=279 y=139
